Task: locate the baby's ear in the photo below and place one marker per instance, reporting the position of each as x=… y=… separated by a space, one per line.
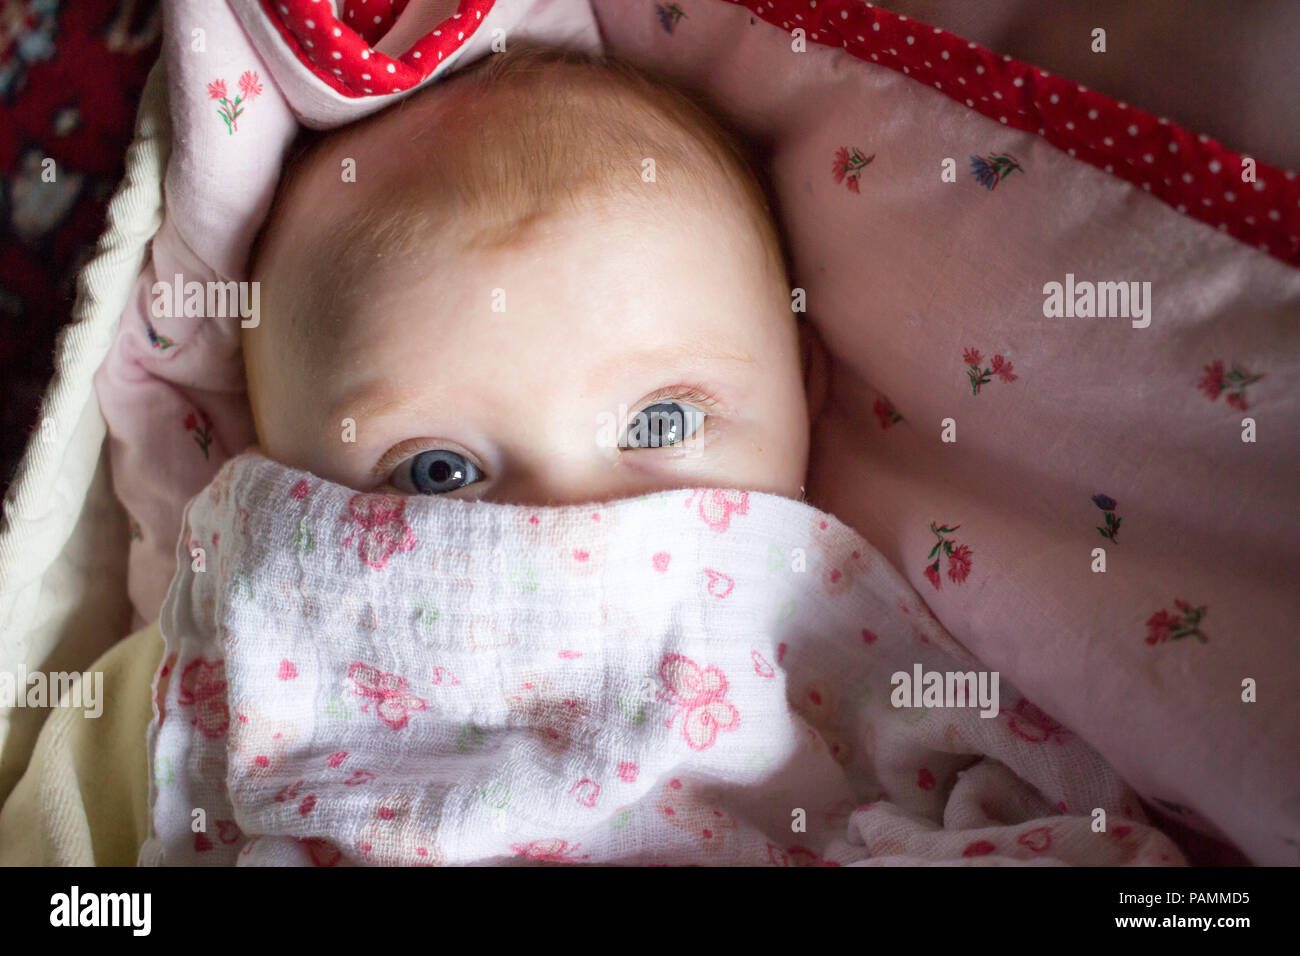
x=816 y=368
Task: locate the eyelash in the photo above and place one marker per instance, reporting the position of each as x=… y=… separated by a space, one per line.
x=686 y=393
x=414 y=446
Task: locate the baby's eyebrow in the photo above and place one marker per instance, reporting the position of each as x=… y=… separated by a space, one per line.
x=369 y=403
x=659 y=358
x=372 y=402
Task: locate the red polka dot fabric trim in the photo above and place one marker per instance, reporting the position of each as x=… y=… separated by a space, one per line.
x=338 y=50
x=1194 y=174
x=372 y=20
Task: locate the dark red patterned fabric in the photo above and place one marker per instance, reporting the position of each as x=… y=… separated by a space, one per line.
x=71 y=74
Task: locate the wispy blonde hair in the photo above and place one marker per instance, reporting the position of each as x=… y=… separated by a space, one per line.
x=519 y=137
x=575 y=138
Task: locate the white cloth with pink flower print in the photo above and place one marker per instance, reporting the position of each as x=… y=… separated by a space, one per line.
x=694 y=676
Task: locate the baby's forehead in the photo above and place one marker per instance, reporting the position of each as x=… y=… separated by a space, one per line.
x=495 y=145
x=586 y=304
x=471 y=167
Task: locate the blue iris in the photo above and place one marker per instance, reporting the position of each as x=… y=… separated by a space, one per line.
x=438 y=472
x=1104 y=502
x=662 y=424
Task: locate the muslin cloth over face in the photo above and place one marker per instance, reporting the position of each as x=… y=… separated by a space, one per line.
x=694 y=676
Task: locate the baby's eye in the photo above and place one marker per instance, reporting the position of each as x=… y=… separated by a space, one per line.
x=660 y=424
x=435 y=473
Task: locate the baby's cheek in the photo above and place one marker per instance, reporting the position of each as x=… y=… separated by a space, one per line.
x=771 y=456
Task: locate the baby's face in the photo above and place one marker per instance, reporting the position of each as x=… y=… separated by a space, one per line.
x=517 y=374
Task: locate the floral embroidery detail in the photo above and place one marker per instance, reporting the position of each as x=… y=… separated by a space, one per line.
x=669 y=15
x=700 y=695
x=203 y=686
x=379 y=526
x=202 y=434
x=250 y=87
x=1108 y=505
x=848 y=166
x=426 y=613
x=586 y=792
x=549 y=851
x=959 y=556
x=720 y=585
x=321 y=851
x=444 y=675
x=886 y=412
x=303 y=539
x=991 y=170
x=1185 y=622
x=717 y=507
x=158 y=341
x=619 y=822
x=1214 y=382
x=1037 y=840
x=979 y=377
x=289 y=792
x=395 y=705
x=1029 y=723
x=136 y=533
x=796 y=856
x=228 y=831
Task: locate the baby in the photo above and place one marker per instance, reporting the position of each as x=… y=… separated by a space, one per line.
x=542 y=243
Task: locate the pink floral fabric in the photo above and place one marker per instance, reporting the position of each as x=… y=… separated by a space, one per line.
x=699 y=681
x=957 y=401
x=1184 y=421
